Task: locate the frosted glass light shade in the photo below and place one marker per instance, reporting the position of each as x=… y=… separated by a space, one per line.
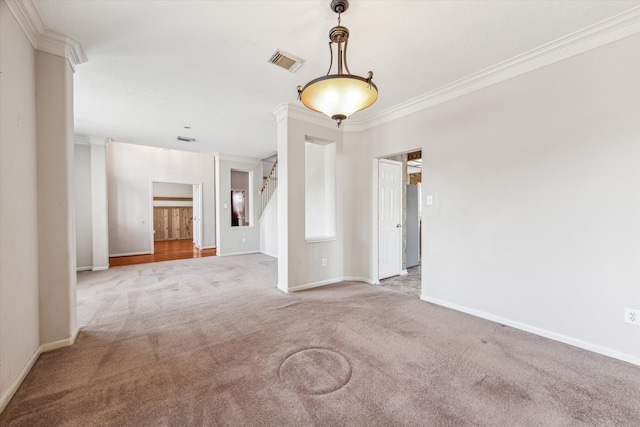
x=339 y=95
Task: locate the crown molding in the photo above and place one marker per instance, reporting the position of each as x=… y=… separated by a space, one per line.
x=89 y=140
x=42 y=39
x=610 y=30
x=238 y=159
x=284 y=111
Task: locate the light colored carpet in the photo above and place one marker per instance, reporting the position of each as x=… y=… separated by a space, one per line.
x=410 y=284
x=212 y=342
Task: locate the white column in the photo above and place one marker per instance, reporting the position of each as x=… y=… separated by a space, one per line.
x=56 y=209
x=100 y=222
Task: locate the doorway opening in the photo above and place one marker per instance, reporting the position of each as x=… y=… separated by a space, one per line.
x=400 y=222
x=177 y=213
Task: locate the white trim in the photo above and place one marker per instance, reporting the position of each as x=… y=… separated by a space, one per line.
x=404 y=273
x=321 y=239
x=359 y=279
x=238 y=159
x=537 y=331
x=89 y=268
x=60 y=343
x=89 y=140
x=100 y=268
x=316 y=284
x=208 y=247
x=130 y=254
x=594 y=36
x=42 y=348
x=239 y=253
x=328 y=282
x=43 y=39
x=292 y=111
x=8 y=395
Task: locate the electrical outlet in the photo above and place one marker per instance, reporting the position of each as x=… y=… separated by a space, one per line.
x=324 y=262
x=632 y=316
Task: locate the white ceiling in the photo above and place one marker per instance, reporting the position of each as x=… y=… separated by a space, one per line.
x=157 y=66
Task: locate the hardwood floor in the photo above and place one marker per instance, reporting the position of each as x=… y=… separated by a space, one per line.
x=164 y=250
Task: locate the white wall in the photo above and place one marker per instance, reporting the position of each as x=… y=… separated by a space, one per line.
x=92 y=235
x=536 y=186
x=83 y=206
x=237 y=240
x=130 y=170
x=99 y=222
x=320 y=189
x=56 y=208
x=19 y=324
x=269 y=227
x=170 y=189
x=300 y=263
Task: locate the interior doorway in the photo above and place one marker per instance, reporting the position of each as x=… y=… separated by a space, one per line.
x=407 y=278
x=176 y=213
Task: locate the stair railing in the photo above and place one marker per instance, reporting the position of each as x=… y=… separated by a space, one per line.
x=270 y=185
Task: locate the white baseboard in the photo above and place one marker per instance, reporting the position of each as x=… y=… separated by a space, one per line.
x=360 y=279
x=60 y=343
x=537 y=331
x=207 y=247
x=404 y=273
x=99 y=268
x=315 y=284
x=131 y=254
x=327 y=282
x=8 y=395
x=239 y=253
x=6 y=398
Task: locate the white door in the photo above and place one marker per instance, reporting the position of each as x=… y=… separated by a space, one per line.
x=197 y=215
x=389 y=218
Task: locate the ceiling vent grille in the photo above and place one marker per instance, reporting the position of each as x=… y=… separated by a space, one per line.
x=286 y=60
x=186 y=139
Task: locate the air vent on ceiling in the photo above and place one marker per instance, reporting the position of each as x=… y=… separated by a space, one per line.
x=186 y=139
x=286 y=60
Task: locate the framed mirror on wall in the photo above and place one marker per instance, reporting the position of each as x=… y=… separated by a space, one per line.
x=239 y=208
x=241 y=203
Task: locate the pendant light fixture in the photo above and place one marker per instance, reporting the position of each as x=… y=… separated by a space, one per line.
x=342 y=94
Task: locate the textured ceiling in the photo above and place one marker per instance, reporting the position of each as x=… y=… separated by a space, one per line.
x=157 y=66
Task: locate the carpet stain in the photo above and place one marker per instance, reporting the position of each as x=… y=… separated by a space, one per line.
x=315 y=371
x=502 y=389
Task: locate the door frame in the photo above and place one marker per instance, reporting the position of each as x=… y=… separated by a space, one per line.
x=399 y=207
x=151 y=219
x=375 y=206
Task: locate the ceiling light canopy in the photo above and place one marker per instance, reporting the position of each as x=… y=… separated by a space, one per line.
x=339 y=95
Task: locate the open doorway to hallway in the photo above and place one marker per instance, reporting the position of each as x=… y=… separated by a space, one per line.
x=408 y=278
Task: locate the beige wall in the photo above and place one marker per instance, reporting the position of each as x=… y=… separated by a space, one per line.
x=130 y=171
x=83 y=204
x=19 y=318
x=536 y=214
x=237 y=240
x=56 y=208
x=302 y=261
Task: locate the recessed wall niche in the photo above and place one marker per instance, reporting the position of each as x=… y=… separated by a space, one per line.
x=241 y=213
x=320 y=189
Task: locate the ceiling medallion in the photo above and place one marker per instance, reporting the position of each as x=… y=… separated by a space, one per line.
x=342 y=94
